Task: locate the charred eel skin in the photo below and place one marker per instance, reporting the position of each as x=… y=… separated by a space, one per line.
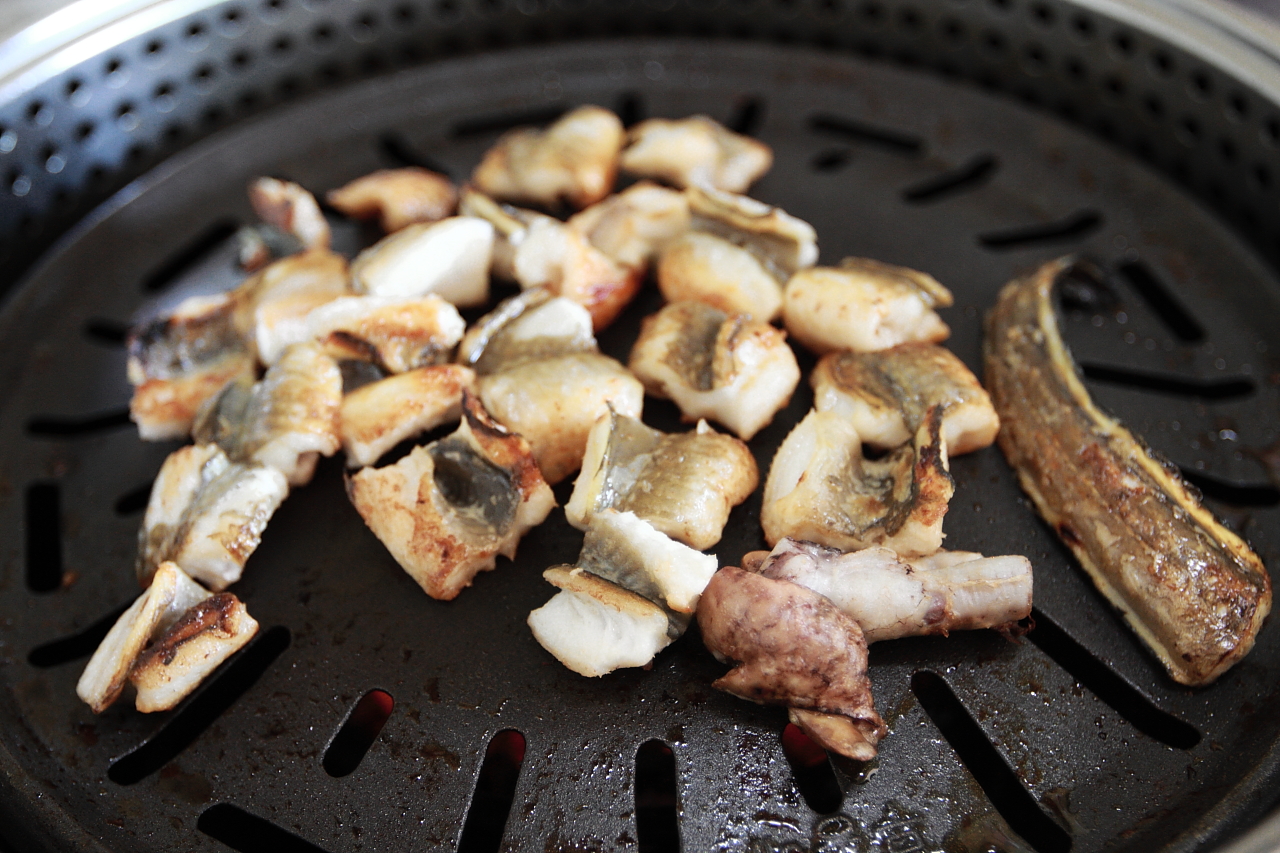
x=1189 y=587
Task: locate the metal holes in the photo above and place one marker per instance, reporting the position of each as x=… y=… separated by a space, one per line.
x=248 y=833
x=357 y=733
x=1110 y=687
x=44 y=537
x=106 y=332
x=998 y=781
x=812 y=770
x=1160 y=300
x=495 y=791
x=868 y=134
x=58 y=426
x=1074 y=227
x=748 y=115
x=1178 y=386
x=75 y=646
x=188 y=255
x=657 y=806
x=969 y=176
x=200 y=712
x=133 y=501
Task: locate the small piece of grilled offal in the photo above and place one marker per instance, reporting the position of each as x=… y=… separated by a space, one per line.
x=821 y=488
x=1189 y=587
x=447 y=510
x=794 y=648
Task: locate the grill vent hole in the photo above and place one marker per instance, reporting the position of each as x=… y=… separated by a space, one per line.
x=133 y=501
x=399 y=151
x=630 y=108
x=485 y=125
x=832 y=159
x=357 y=733
x=188 y=255
x=989 y=769
x=1109 y=686
x=200 y=711
x=970 y=176
x=495 y=792
x=748 y=115
x=44 y=537
x=1178 y=386
x=1160 y=300
x=812 y=770
x=1074 y=227
x=248 y=833
x=75 y=646
x=54 y=426
x=868 y=134
x=657 y=806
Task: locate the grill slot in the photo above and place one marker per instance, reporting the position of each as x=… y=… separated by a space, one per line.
x=997 y=779
x=812 y=771
x=966 y=178
x=201 y=710
x=75 y=646
x=868 y=134
x=106 y=332
x=357 y=733
x=747 y=116
x=1160 y=300
x=401 y=152
x=1213 y=390
x=1076 y=226
x=1235 y=494
x=133 y=501
x=190 y=255
x=494 y=794
x=61 y=426
x=248 y=833
x=657 y=799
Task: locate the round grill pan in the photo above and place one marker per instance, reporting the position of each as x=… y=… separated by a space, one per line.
x=1086 y=133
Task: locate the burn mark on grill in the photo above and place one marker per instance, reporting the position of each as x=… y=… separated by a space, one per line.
x=657 y=806
x=1109 y=686
x=1077 y=226
x=812 y=770
x=1162 y=301
x=133 y=501
x=747 y=116
x=1178 y=386
x=189 y=254
x=248 y=833
x=1254 y=495
x=863 y=133
x=56 y=426
x=400 y=152
x=108 y=332
x=75 y=646
x=832 y=159
x=630 y=108
x=495 y=792
x=357 y=733
x=970 y=176
x=200 y=712
x=44 y=537
x=997 y=779
x=484 y=125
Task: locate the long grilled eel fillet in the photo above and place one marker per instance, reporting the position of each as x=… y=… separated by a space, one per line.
x=1191 y=589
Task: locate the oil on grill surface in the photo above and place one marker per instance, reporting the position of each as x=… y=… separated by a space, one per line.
x=1072 y=739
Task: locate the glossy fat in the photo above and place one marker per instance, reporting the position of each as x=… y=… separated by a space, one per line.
x=863 y=306
x=376 y=417
x=396 y=334
x=554 y=402
x=195 y=645
x=575 y=160
x=821 y=489
x=886 y=394
x=397 y=198
x=447 y=510
x=684 y=484
x=792 y=646
x=730 y=369
x=695 y=151
x=1189 y=587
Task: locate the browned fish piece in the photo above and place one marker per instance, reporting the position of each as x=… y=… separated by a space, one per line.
x=1189 y=587
x=397 y=197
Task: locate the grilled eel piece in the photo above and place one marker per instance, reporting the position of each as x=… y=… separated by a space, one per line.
x=1189 y=587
